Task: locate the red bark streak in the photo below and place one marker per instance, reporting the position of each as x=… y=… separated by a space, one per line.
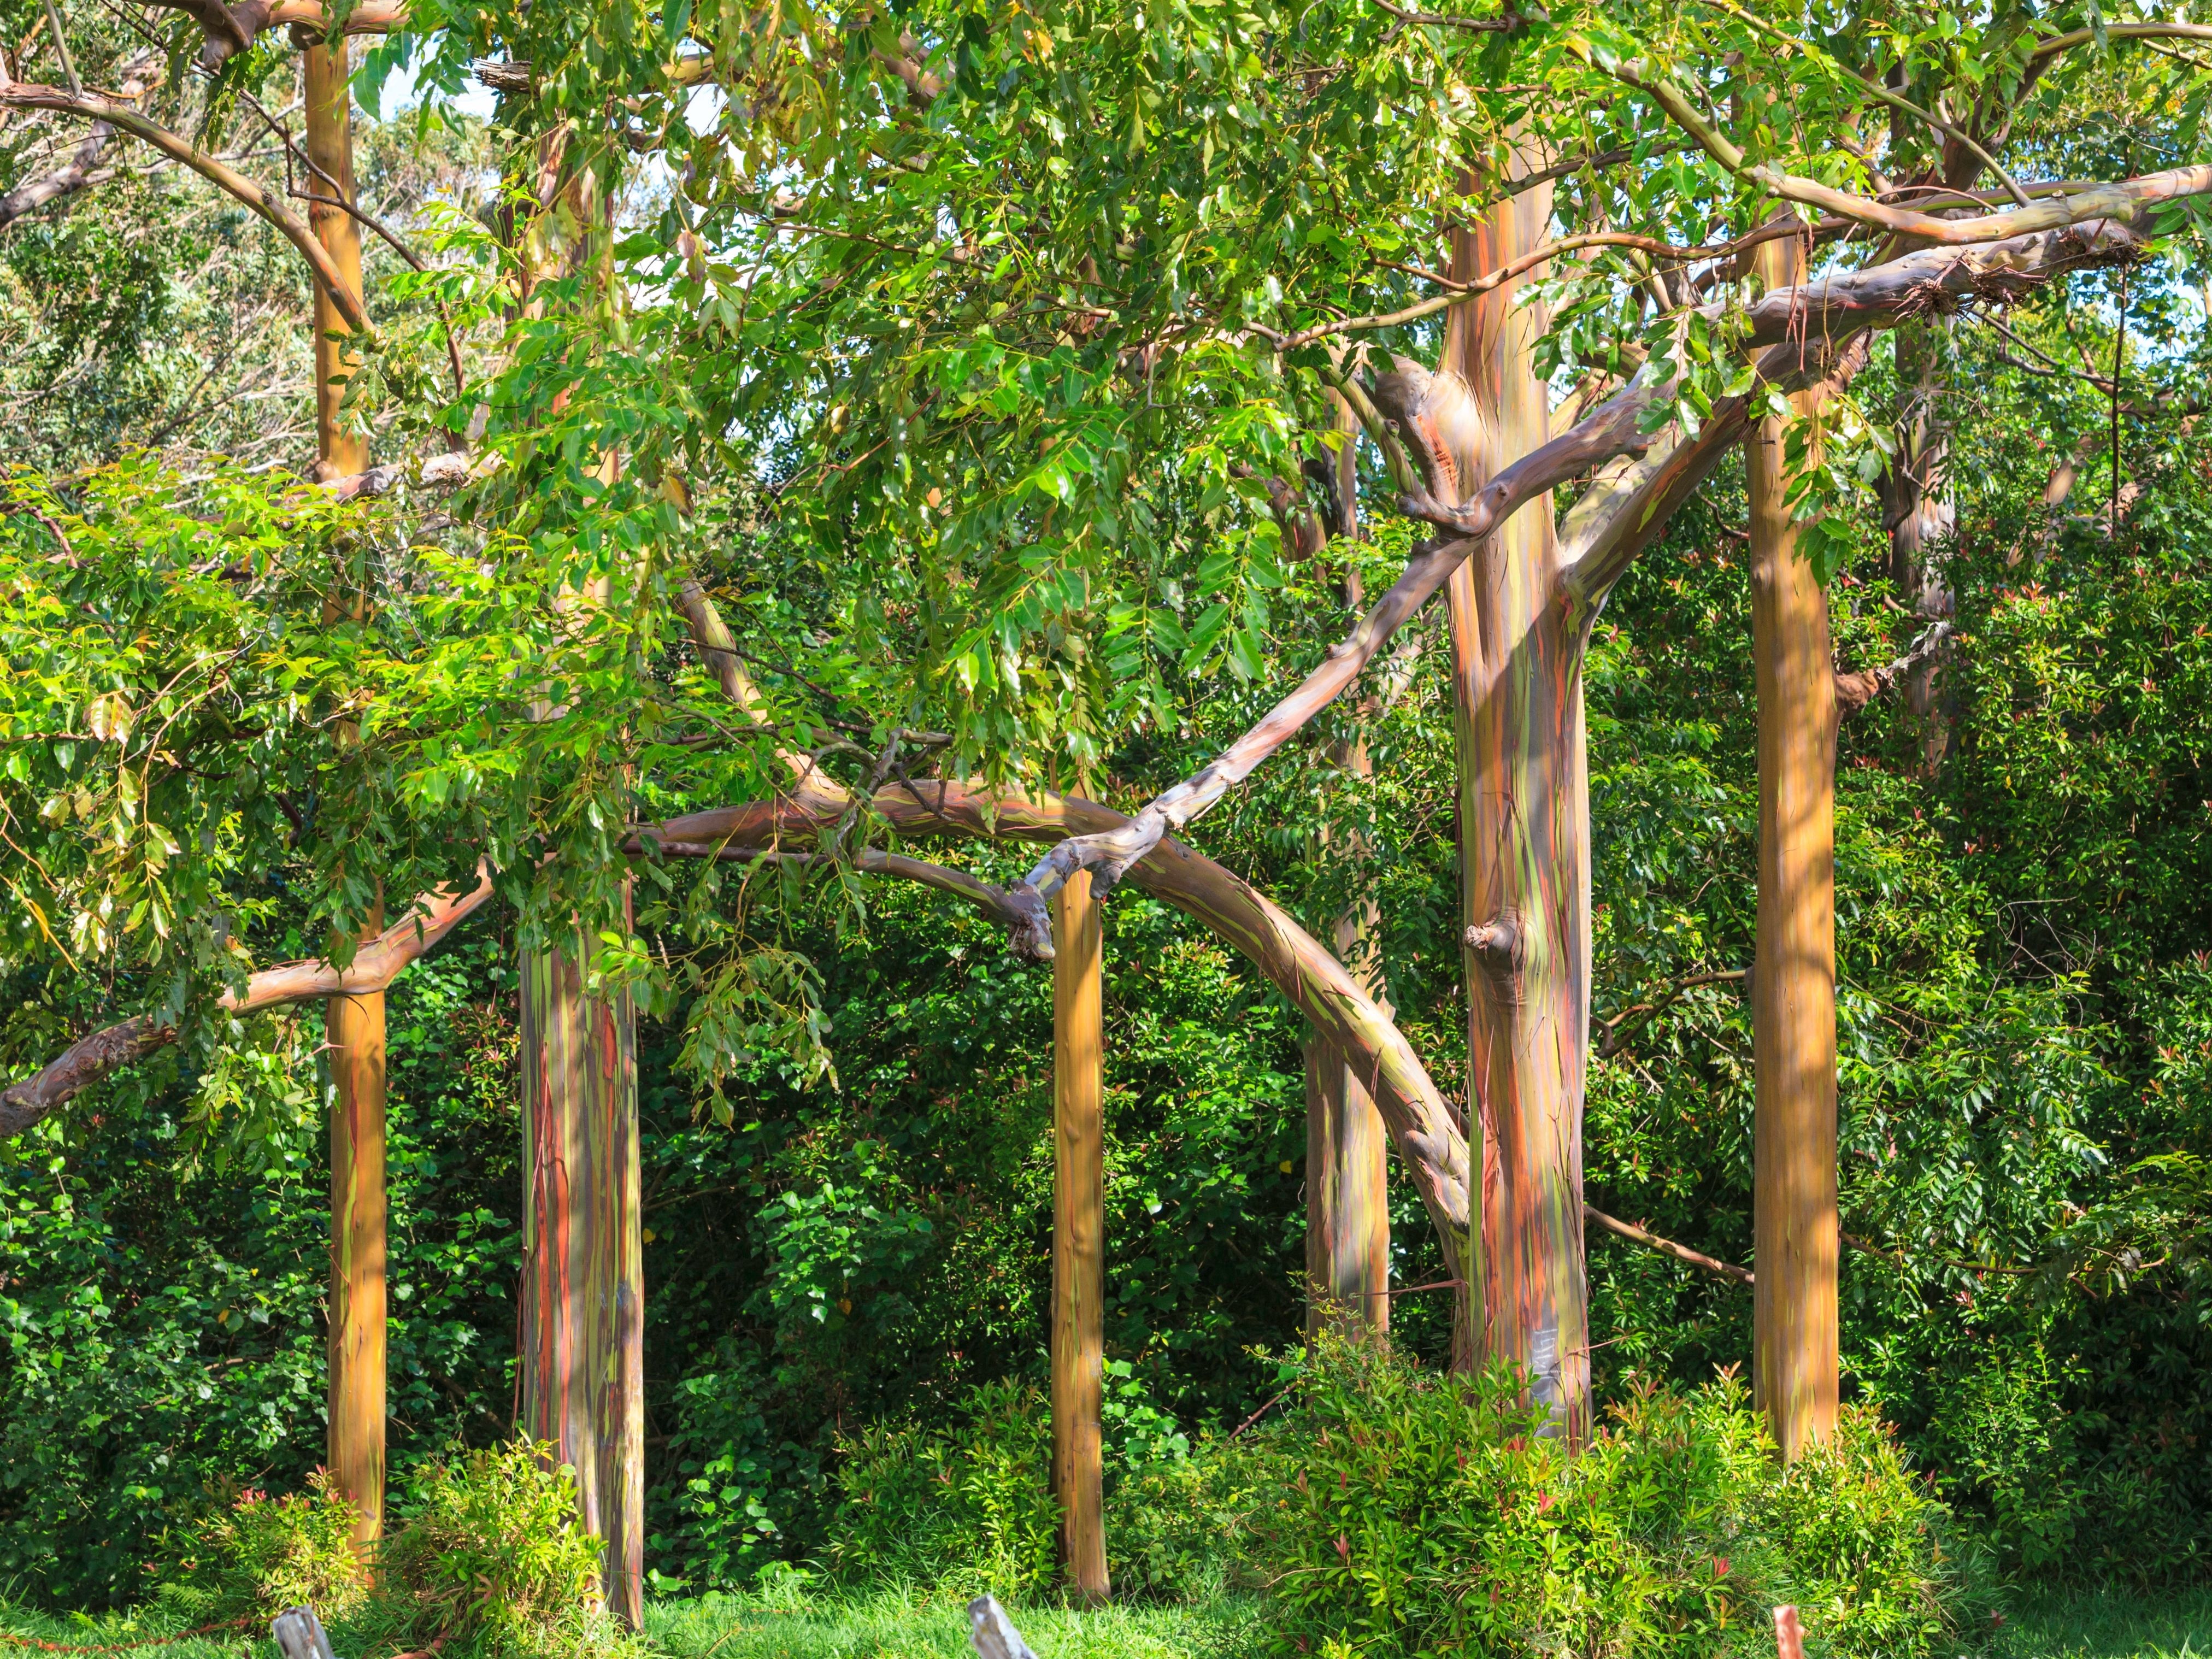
x=1517 y=646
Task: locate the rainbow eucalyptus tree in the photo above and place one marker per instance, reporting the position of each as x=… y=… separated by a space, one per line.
x=965 y=367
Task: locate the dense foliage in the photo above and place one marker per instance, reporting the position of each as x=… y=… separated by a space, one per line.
x=965 y=405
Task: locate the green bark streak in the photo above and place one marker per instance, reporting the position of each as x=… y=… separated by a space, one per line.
x=583 y=1274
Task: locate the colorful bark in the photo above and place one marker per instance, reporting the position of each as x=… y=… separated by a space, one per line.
x=1078 y=1238
x=1347 y=1206
x=583 y=1272
x=1794 y=1221
x=1524 y=856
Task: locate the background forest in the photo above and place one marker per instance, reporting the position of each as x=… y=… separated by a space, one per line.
x=848 y=1218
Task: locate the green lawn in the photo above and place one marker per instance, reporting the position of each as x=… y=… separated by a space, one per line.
x=2101 y=1625
x=896 y=1627
x=2112 y=1623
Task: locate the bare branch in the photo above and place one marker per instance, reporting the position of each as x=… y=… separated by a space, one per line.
x=29 y=94
x=379 y=962
x=82 y=170
x=2059 y=43
x=1666 y=1246
x=2123 y=200
x=1855 y=691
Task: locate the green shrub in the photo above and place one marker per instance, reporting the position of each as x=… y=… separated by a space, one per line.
x=967 y=1508
x=488 y=1554
x=263 y=1554
x=1399 y=1512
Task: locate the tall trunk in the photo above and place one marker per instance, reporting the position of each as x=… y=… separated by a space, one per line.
x=583 y=1277
x=1347 y=1148
x=582 y=1333
x=1524 y=858
x=330 y=147
x=354 y=1028
x=1079 y=1237
x=1793 y=1223
x=354 y=1025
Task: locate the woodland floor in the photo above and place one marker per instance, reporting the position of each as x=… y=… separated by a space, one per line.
x=2113 y=1624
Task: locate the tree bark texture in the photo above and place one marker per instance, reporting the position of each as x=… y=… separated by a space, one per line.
x=1079 y=1237
x=1348 y=1201
x=1794 y=1221
x=1347 y=1148
x=339 y=454
x=354 y=1025
x=583 y=1272
x=1524 y=855
x=1916 y=509
x=354 y=1022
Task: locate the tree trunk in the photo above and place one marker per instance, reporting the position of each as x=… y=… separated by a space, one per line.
x=1524 y=859
x=1347 y=1147
x=354 y=1028
x=329 y=147
x=1916 y=509
x=1078 y=1238
x=583 y=1272
x=1793 y=1223
x=354 y=1025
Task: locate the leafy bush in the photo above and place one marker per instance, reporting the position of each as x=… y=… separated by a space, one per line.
x=264 y=1554
x=1399 y=1512
x=490 y=1556
x=966 y=1507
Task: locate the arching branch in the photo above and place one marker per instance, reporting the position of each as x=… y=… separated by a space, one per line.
x=2121 y=200
x=29 y=94
x=377 y=963
x=82 y=170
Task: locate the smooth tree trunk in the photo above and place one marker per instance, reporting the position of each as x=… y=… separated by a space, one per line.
x=1347 y=1145
x=353 y=1024
x=1078 y=1238
x=339 y=454
x=1524 y=857
x=1794 y=1222
x=583 y=1268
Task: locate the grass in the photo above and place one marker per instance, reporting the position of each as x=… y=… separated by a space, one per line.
x=797 y=1624
x=2110 y=1624
x=891 y=1625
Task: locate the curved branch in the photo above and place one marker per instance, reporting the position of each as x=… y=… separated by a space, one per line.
x=1421 y=1123
x=29 y=94
x=2121 y=200
x=79 y=172
x=375 y=966
x=1855 y=691
x=2059 y=43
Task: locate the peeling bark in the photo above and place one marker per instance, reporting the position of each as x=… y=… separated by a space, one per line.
x=583 y=1275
